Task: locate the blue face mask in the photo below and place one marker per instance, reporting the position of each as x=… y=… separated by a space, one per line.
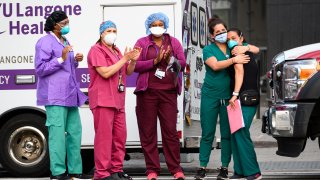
x=232 y=43
x=65 y=30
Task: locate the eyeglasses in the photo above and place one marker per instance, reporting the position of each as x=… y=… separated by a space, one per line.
x=62 y=24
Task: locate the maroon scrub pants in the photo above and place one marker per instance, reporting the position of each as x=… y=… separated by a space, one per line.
x=151 y=104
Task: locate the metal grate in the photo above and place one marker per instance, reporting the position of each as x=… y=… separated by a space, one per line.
x=289 y=166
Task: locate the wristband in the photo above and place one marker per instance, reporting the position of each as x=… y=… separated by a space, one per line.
x=235 y=94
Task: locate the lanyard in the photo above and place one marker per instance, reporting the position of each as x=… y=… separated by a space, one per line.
x=115 y=54
x=120 y=71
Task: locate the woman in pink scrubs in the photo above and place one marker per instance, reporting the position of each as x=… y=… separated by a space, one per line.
x=108 y=69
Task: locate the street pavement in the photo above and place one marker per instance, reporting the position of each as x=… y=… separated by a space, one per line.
x=265 y=147
x=306 y=166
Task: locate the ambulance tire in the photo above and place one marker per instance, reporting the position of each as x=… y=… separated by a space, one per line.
x=24 y=146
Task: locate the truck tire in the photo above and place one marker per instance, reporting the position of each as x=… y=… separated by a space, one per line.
x=24 y=148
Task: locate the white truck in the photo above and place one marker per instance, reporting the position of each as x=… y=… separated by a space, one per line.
x=293 y=116
x=23 y=135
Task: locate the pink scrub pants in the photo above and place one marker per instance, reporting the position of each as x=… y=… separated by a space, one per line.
x=109 y=141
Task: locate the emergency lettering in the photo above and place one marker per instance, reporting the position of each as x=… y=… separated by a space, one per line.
x=4 y=79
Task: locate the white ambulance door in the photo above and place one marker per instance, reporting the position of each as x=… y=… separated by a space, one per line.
x=195 y=91
x=196 y=23
x=130 y=22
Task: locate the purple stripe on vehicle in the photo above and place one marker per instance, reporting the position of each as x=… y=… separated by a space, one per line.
x=7 y=79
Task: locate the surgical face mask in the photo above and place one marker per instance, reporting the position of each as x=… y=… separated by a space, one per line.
x=65 y=30
x=110 y=38
x=157 y=31
x=232 y=43
x=221 y=38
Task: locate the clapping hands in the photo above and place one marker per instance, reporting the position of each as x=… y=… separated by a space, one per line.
x=132 y=54
x=163 y=54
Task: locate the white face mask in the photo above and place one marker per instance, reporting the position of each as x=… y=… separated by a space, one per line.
x=157 y=31
x=110 y=38
x=221 y=38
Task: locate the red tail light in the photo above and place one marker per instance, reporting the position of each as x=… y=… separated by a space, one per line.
x=269 y=74
x=187 y=69
x=180 y=134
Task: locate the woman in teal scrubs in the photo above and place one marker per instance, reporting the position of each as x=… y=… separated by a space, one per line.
x=244 y=78
x=215 y=94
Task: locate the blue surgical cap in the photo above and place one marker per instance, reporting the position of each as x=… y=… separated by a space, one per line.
x=155 y=17
x=105 y=25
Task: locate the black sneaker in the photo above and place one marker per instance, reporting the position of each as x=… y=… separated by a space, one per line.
x=80 y=176
x=201 y=173
x=120 y=176
x=236 y=176
x=256 y=176
x=60 y=177
x=223 y=174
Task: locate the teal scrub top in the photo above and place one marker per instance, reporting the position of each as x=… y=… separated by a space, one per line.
x=216 y=83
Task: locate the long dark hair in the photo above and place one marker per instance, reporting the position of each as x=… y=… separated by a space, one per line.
x=215 y=20
x=239 y=32
x=99 y=40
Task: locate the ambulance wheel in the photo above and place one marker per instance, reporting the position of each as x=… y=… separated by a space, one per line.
x=24 y=148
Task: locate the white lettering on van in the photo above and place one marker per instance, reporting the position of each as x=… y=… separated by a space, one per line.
x=4 y=79
x=85 y=78
x=16 y=59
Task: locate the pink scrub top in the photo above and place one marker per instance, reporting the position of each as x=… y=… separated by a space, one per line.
x=104 y=91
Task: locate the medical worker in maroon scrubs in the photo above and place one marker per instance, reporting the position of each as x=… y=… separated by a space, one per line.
x=158 y=85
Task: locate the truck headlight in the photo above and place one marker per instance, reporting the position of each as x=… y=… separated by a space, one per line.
x=295 y=74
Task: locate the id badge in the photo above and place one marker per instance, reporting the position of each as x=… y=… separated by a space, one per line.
x=120 y=84
x=160 y=74
x=121 y=88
